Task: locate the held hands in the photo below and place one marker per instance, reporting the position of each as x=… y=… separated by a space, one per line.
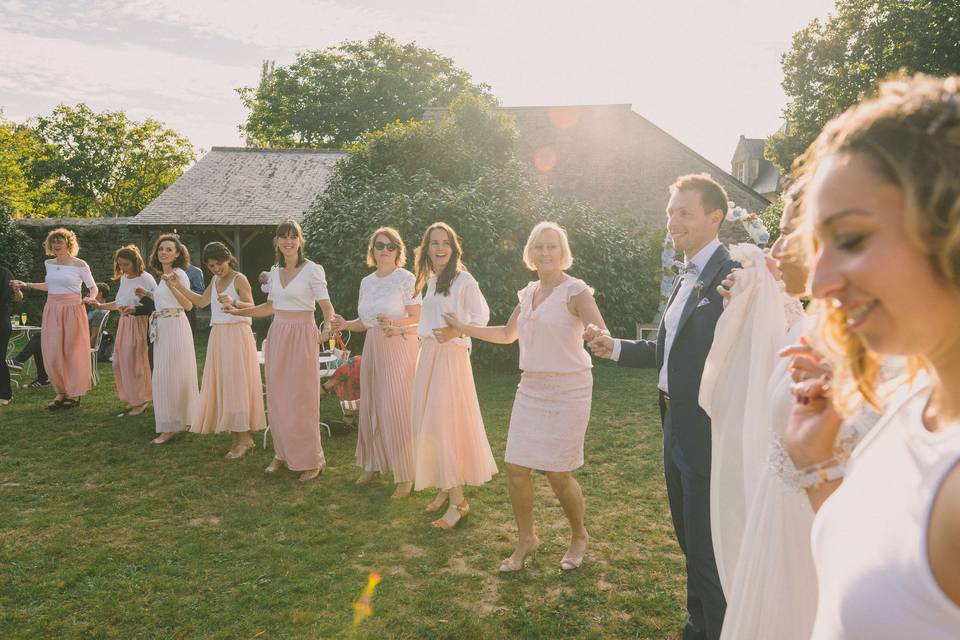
x=337 y=322
x=599 y=341
x=171 y=279
x=18 y=285
x=92 y=302
x=449 y=332
x=263 y=278
x=814 y=421
x=140 y=292
x=126 y=311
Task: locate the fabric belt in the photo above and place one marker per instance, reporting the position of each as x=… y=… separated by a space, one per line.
x=666 y=399
x=169 y=312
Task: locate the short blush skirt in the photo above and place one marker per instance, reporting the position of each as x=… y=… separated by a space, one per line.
x=549 y=421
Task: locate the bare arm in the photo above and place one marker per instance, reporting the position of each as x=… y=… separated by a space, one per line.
x=180 y=294
x=504 y=334
x=943 y=545
x=244 y=291
x=259 y=311
x=327 y=308
x=584 y=306
x=201 y=300
x=36 y=286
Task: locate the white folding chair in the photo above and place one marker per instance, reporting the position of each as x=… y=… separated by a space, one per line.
x=95 y=349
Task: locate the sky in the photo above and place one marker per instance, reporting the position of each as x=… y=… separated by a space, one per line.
x=706 y=71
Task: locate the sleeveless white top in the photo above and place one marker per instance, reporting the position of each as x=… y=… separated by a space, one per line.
x=217 y=315
x=551 y=338
x=870 y=537
x=302 y=292
x=163 y=298
x=126 y=296
x=389 y=295
x=65 y=278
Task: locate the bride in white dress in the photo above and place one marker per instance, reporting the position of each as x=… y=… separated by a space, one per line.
x=760 y=520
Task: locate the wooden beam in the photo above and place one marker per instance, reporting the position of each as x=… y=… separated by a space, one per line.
x=237 y=247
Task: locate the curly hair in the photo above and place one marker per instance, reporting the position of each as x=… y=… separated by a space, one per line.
x=910 y=133
x=182 y=260
x=130 y=253
x=73 y=245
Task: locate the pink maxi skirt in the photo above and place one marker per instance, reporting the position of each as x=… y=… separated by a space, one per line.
x=131 y=360
x=65 y=342
x=291 y=364
x=384 y=433
x=174 y=374
x=450 y=443
x=231 y=395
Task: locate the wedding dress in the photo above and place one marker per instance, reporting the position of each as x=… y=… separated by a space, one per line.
x=760 y=520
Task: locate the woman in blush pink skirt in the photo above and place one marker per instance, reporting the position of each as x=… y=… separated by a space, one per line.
x=389 y=309
x=292 y=352
x=131 y=360
x=231 y=394
x=65 y=333
x=174 y=359
x=552 y=407
x=450 y=445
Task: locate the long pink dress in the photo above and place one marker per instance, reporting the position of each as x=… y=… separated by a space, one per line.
x=450 y=443
x=65 y=333
x=384 y=433
x=552 y=407
x=292 y=367
x=131 y=360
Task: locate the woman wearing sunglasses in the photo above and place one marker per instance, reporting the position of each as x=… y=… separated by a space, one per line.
x=389 y=309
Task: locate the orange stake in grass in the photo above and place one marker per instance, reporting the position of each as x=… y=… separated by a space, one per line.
x=362 y=606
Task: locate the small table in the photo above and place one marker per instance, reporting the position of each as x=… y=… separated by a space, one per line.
x=18 y=339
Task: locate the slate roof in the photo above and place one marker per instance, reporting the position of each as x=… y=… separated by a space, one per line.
x=238 y=186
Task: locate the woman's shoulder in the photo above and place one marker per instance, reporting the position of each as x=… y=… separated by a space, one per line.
x=576 y=286
x=464 y=278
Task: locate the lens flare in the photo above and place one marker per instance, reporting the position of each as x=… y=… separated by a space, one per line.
x=363 y=605
x=545 y=159
x=565 y=117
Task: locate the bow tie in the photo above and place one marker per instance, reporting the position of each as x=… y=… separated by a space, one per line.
x=690 y=269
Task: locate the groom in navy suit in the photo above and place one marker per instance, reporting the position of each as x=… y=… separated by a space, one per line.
x=697 y=208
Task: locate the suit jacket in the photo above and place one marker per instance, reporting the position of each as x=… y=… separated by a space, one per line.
x=690 y=425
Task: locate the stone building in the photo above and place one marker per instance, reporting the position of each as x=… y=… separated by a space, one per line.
x=612 y=158
x=750 y=167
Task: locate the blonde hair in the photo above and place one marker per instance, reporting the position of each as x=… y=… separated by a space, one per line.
x=911 y=135
x=395 y=238
x=73 y=245
x=566 y=256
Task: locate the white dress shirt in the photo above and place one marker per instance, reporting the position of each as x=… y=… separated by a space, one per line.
x=671 y=316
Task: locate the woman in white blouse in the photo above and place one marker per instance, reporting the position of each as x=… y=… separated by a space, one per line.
x=65 y=334
x=389 y=309
x=175 y=391
x=292 y=352
x=884 y=200
x=450 y=445
x=131 y=358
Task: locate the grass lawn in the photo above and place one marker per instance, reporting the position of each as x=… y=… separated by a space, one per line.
x=103 y=535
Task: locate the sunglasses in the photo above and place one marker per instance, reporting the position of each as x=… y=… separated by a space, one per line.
x=389 y=246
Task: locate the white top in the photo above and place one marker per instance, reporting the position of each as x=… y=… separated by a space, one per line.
x=870 y=537
x=65 y=278
x=163 y=298
x=551 y=338
x=217 y=316
x=389 y=295
x=464 y=300
x=302 y=292
x=125 y=292
x=671 y=317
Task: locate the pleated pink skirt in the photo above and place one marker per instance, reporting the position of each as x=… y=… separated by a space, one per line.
x=131 y=360
x=450 y=443
x=549 y=420
x=384 y=433
x=174 y=374
x=65 y=342
x=291 y=364
x=231 y=396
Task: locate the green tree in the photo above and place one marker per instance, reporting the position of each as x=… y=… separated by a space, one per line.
x=833 y=62
x=330 y=97
x=462 y=170
x=105 y=164
x=15 y=245
x=24 y=197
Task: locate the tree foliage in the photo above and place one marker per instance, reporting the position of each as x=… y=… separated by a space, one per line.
x=330 y=97
x=15 y=245
x=462 y=170
x=24 y=196
x=833 y=62
x=105 y=164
